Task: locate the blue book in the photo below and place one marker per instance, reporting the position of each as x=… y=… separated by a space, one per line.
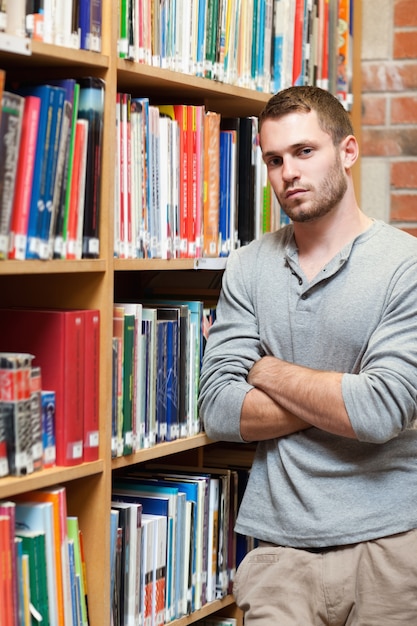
x=62 y=167
x=201 y=36
x=225 y=184
x=45 y=251
x=84 y=23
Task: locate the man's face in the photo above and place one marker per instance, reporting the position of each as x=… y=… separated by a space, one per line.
x=304 y=166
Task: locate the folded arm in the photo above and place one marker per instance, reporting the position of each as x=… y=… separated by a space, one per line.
x=314 y=396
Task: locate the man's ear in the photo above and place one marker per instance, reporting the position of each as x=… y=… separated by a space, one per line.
x=349 y=151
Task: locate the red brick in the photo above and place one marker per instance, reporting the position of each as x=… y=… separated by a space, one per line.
x=405 y=45
x=389 y=76
x=404 y=175
x=405 y=13
x=373 y=110
x=410 y=231
x=404 y=207
x=389 y=141
x=404 y=110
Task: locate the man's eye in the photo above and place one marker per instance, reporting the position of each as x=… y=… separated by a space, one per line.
x=274 y=162
x=306 y=151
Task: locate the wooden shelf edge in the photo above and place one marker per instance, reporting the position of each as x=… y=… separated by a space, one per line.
x=162 y=450
x=13 y=485
x=205 y=611
x=153 y=76
x=52 y=267
x=127 y=265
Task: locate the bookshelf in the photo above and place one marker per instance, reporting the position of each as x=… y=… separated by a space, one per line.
x=93 y=283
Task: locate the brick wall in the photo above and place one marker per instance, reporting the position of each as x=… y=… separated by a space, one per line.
x=389 y=111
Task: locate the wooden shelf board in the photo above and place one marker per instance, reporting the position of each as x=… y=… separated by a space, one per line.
x=13 y=485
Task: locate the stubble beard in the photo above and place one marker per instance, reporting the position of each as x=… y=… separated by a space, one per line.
x=326 y=197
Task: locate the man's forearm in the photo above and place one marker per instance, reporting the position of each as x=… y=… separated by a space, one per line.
x=314 y=396
x=261 y=418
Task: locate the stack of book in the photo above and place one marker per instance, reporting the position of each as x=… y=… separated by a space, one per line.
x=43 y=576
x=50 y=169
x=257 y=44
x=173 y=545
x=73 y=23
x=157 y=350
x=65 y=345
x=188 y=182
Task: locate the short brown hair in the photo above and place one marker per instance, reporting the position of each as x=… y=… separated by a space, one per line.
x=332 y=117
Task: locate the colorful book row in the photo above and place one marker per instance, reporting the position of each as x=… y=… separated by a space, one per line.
x=65 y=344
x=73 y=23
x=173 y=548
x=257 y=44
x=50 y=169
x=189 y=183
x=43 y=573
x=157 y=349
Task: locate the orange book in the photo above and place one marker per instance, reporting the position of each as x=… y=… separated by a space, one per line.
x=211 y=184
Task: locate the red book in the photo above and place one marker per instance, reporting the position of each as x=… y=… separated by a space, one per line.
x=24 y=177
x=91 y=386
x=56 y=339
x=8 y=510
x=192 y=178
x=6 y=579
x=297 y=71
x=180 y=111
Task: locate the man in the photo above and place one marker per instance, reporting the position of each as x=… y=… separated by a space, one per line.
x=314 y=356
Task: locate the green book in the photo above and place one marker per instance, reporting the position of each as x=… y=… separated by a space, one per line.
x=74 y=535
x=33 y=544
x=128 y=381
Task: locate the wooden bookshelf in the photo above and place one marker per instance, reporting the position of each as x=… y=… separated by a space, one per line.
x=93 y=283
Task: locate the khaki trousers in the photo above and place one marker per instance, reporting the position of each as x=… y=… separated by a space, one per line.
x=373 y=583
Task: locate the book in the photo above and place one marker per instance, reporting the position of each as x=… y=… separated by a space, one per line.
x=92 y=384
x=73 y=533
x=36 y=417
x=130 y=520
x=44 y=161
x=12 y=108
x=91 y=108
x=53 y=160
x=15 y=403
x=39 y=516
x=57 y=496
x=6 y=574
x=61 y=176
x=211 y=184
x=48 y=402
x=72 y=239
x=8 y=509
x=33 y=544
x=56 y=339
x=60 y=226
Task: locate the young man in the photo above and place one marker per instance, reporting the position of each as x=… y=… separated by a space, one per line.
x=314 y=356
